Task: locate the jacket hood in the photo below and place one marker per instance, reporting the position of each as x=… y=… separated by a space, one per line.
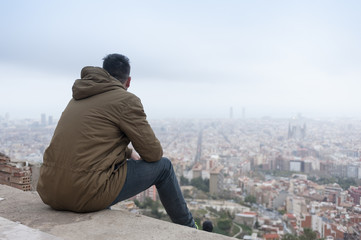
x=93 y=81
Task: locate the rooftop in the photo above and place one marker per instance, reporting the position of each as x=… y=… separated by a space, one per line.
x=24 y=214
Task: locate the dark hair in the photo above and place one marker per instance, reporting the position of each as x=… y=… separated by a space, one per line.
x=118 y=66
x=207 y=226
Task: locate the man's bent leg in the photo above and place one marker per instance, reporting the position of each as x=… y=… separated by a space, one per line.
x=172 y=198
x=141 y=175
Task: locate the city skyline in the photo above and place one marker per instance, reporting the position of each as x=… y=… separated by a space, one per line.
x=189 y=59
x=303 y=173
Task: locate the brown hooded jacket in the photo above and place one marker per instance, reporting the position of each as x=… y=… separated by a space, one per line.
x=92 y=135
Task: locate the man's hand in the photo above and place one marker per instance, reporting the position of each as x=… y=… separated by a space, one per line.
x=135 y=155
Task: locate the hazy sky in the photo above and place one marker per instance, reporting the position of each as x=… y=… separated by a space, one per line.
x=189 y=58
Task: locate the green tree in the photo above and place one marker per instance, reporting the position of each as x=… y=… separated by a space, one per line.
x=308 y=234
x=137 y=203
x=201 y=184
x=149 y=203
x=153 y=206
x=184 y=181
x=225 y=214
x=345 y=183
x=224 y=224
x=289 y=237
x=155 y=212
x=250 y=199
x=281 y=211
x=187 y=193
x=246 y=230
x=257 y=225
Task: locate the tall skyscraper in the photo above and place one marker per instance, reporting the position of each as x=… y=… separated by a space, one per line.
x=43 y=119
x=216 y=181
x=50 y=120
x=197 y=170
x=296 y=131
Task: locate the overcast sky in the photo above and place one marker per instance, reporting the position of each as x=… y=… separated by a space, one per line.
x=189 y=58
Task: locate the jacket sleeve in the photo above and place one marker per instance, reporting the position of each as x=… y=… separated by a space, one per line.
x=134 y=124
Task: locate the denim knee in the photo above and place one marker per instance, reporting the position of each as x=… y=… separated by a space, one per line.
x=167 y=170
x=166 y=162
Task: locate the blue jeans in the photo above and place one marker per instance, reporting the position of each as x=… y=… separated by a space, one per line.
x=141 y=175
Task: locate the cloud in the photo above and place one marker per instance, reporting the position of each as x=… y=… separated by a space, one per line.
x=203 y=57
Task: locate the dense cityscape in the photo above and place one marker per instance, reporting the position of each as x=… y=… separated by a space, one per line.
x=254 y=178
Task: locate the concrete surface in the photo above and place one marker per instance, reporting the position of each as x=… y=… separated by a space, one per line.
x=14 y=230
x=24 y=213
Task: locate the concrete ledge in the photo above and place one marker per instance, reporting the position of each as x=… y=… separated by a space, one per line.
x=28 y=209
x=13 y=230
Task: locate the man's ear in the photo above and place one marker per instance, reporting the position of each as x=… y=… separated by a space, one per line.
x=127 y=83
